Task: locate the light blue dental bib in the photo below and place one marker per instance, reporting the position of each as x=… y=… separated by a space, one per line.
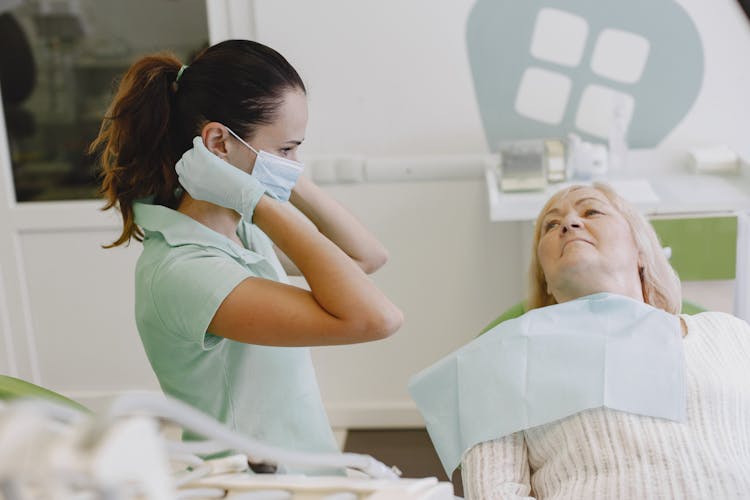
x=550 y=363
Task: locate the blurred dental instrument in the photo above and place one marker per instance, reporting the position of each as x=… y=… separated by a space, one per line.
x=48 y=450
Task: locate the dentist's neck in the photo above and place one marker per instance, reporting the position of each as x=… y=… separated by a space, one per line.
x=220 y=219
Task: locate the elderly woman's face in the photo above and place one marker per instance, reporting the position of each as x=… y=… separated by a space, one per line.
x=586 y=247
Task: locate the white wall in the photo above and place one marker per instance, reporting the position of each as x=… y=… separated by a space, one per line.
x=392 y=78
x=451 y=271
x=387 y=78
x=722 y=112
x=384 y=78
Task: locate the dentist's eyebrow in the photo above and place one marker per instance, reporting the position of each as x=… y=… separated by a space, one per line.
x=295 y=142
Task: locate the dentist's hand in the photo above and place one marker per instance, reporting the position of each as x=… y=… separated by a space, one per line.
x=207 y=177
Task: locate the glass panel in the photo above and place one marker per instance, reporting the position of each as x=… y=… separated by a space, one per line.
x=59 y=60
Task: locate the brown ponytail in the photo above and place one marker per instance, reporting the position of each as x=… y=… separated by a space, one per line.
x=133 y=144
x=153 y=119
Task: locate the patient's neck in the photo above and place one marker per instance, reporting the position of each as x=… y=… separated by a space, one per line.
x=575 y=290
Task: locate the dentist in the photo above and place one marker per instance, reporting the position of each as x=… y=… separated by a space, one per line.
x=201 y=160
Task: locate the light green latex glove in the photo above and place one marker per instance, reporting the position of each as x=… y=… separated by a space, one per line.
x=207 y=177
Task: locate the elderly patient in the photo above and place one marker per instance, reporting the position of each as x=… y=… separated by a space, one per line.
x=588 y=241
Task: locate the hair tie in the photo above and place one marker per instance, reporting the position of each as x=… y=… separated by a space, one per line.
x=179 y=73
x=174 y=85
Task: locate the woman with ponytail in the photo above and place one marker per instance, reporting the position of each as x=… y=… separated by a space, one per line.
x=201 y=161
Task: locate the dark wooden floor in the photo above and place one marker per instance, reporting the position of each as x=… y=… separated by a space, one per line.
x=408 y=449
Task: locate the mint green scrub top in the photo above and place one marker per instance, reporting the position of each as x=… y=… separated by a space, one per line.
x=185 y=272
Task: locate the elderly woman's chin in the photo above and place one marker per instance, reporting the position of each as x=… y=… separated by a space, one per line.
x=580 y=263
x=579 y=251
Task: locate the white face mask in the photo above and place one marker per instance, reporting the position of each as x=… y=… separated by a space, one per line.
x=277 y=174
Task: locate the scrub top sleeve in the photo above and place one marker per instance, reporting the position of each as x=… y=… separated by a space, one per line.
x=188 y=291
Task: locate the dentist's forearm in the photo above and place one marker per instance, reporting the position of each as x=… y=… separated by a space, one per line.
x=338 y=225
x=336 y=282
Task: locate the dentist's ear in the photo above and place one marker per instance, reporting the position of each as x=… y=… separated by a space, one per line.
x=215 y=137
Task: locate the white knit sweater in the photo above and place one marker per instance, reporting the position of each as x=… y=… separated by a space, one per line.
x=606 y=454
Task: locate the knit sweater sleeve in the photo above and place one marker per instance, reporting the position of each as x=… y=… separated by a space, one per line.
x=497 y=470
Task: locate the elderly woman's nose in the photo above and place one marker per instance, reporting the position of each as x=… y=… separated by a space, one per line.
x=571 y=222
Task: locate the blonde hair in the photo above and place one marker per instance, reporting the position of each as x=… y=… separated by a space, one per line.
x=659 y=282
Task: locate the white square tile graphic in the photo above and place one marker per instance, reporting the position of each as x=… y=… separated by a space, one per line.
x=543 y=95
x=559 y=37
x=620 y=55
x=597 y=108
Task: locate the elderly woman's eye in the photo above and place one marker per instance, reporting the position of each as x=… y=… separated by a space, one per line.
x=592 y=211
x=550 y=225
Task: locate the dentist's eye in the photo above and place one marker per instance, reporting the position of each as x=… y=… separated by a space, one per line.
x=285 y=152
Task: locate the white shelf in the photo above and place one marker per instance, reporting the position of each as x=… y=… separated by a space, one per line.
x=655 y=191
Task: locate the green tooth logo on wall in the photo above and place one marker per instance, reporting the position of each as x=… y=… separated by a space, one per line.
x=550 y=68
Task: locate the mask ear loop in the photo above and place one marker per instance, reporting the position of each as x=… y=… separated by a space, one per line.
x=241 y=140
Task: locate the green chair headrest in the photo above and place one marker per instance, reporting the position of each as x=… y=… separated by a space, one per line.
x=12 y=388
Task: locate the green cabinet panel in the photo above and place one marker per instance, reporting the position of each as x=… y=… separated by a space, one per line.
x=702 y=248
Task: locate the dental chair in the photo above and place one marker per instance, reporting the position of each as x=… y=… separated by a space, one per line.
x=14 y=388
